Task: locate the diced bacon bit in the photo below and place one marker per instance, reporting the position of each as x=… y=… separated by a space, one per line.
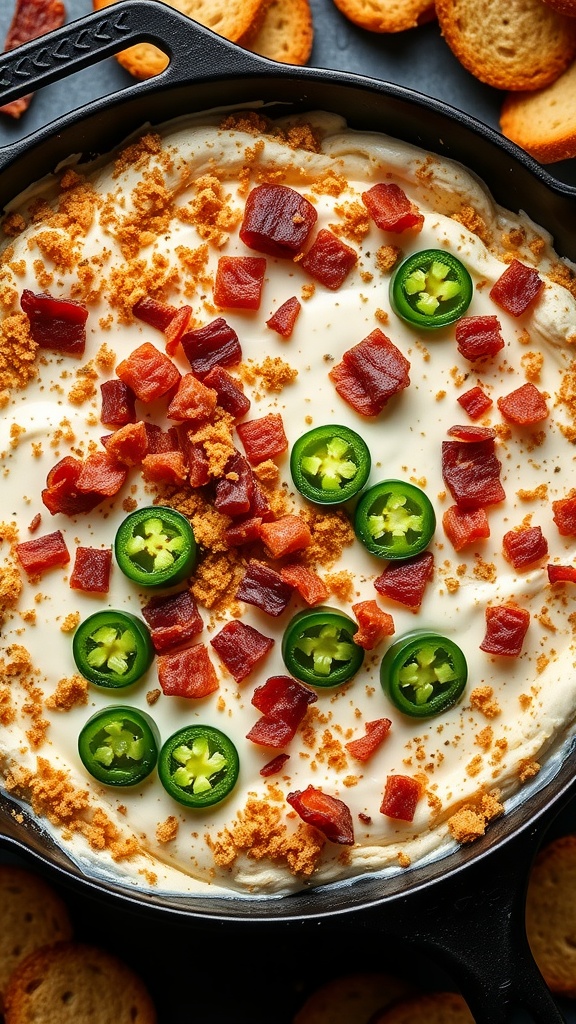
x=193 y=401
x=561 y=573
x=564 y=515
x=274 y=766
x=177 y=328
x=35 y=523
x=91 y=572
x=475 y=402
x=517 y=288
x=465 y=528
x=283 y=702
x=401 y=795
x=471 y=472
x=329 y=815
x=41 y=553
x=524 y=547
x=57 y=324
x=277 y=220
x=240 y=648
x=235 y=489
x=239 y=281
x=154 y=313
x=472 y=433
x=479 y=336
x=365 y=746
x=524 y=406
x=188 y=673
x=118 y=403
x=370 y=373
x=283 y=320
x=329 y=260
x=101 y=474
x=270 y=732
x=128 y=444
x=32 y=18
x=506 y=628
x=263 y=438
x=173 y=620
x=405 y=582
x=390 y=208
x=61 y=493
x=198 y=466
x=311 y=588
x=247 y=531
x=285 y=536
x=373 y=624
x=159 y=440
x=215 y=344
x=230 y=394
x=165 y=468
x=149 y=372
x=264 y=588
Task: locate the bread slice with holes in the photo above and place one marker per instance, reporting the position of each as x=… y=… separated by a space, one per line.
x=352 y=997
x=551 y=914
x=285 y=34
x=544 y=122
x=432 y=1007
x=387 y=15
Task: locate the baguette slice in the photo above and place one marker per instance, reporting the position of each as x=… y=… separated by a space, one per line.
x=387 y=15
x=544 y=122
x=517 y=45
x=285 y=34
x=352 y=997
x=432 y=1008
x=551 y=914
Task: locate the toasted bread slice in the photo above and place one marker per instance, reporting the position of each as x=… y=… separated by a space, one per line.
x=353 y=997
x=387 y=15
x=434 y=1008
x=544 y=122
x=517 y=45
x=551 y=914
x=285 y=34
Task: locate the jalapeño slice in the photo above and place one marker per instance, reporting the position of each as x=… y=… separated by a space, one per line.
x=155 y=547
x=394 y=519
x=118 y=746
x=112 y=648
x=423 y=673
x=318 y=647
x=330 y=464
x=198 y=766
x=431 y=289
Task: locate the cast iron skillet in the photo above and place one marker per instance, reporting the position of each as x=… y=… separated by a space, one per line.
x=468 y=908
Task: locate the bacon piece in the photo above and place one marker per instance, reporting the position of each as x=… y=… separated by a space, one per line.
x=149 y=372
x=239 y=281
x=173 y=620
x=517 y=288
x=561 y=573
x=506 y=628
x=264 y=588
x=154 y=313
x=193 y=401
x=401 y=795
x=475 y=402
x=159 y=440
x=329 y=260
x=390 y=208
x=101 y=474
x=165 y=468
x=465 y=528
x=472 y=433
x=58 y=324
x=235 y=489
x=564 y=515
x=176 y=328
x=373 y=624
x=118 y=403
x=229 y=393
x=277 y=220
x=406 y=581
x=188 y=673
x=246 y=531
x=270 y=732
x=471 y=472
x=32 y=18
x=35 y=523
x=285 y=535
x=524 y=406
x=329 y=815
x=283 y=320
x=91 y=572
x=524 y=547
x=128 y=444
x=214 y=344
x=42 y=553
x=311 y=588
x=283 y=702
x=365 y=746
x=61 y=493
x=263 y=438
x=274 y=766
x=479 y=336
x=240 y=648
x=370 y=373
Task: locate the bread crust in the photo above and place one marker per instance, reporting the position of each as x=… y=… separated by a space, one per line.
x=286 y=32
x=544 y=122
x=551 y=914
x=350 y=997
x=387 y=15
x=432 y=1007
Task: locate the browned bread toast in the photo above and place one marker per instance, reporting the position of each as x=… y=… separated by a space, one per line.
x=387 y=15
x=551 y=914
x=285 y=34
x=353 y=997
x=544 y=122
x=432 y=1008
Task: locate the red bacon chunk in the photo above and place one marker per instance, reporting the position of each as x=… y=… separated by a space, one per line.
x=173 y=620
x=277 y=220
x=159 y=440
x=479 y=336
x=524 y=406
x=329 y=815
x=239 y=281
x=561 y=573
x=524 y=547
x=285 y=535
x=118 y=403
x=230 y=394
x=56 y=323
x=274 y=766
x=193 y=401
x=405 y=582
x=472 y=433
x=465 y=528
x=365 y=746
x=101 y=474
x=283 y=320
x=329 y=260
x=61 y=493
x=517 y=288
x=373 y=624
x=264 y=588
x=42 y=553
x=128 y=444
x=564 y=515
x=245 y=531
x=165 y=468
x=32 y=18
x=311 y=588
x=176 y=328
x=390 y=208
x=215 y=344
x=91 y=572
x=263 y=438
x=475 y=402
x=370 y=373
x=235 y=488
x=471 y=472
x=270 y=732
x=154 y=313
x=149 y=372
x=283 y=702
x=240 y=648
x=401 y=795
x=506 y=628
x=188 y=673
